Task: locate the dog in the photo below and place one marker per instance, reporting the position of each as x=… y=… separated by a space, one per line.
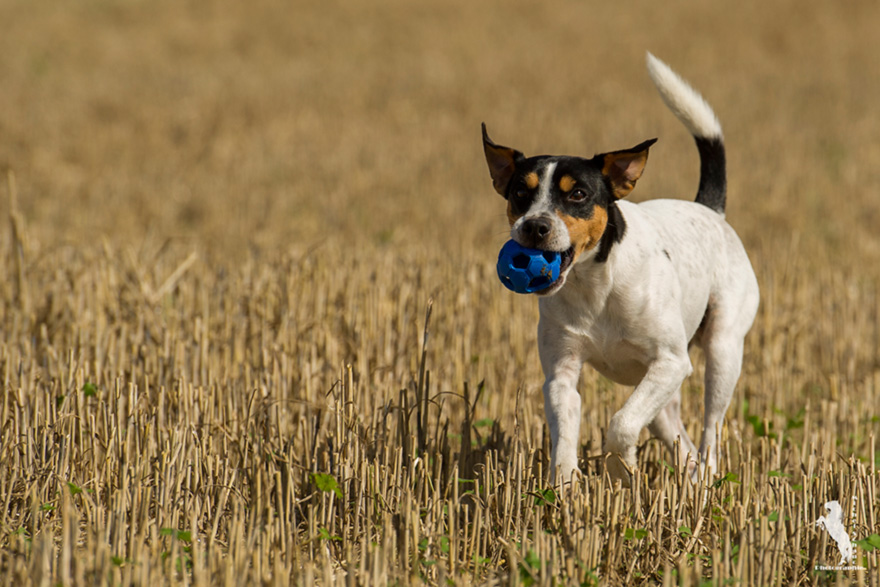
x=639 y=283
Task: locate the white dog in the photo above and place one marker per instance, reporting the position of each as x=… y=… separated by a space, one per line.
x=638 y=284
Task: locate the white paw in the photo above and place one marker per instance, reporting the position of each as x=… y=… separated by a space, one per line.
x=618 y=469
x=565 y=470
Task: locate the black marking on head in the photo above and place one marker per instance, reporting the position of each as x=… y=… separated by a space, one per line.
x=665 y=252
x=524 y=185
x=575 y=191
x=577 y=188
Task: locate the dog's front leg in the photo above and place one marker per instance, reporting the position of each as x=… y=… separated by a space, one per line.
x=664 y=376
x=561 y=360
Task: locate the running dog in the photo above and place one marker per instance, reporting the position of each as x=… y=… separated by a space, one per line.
x=638 y=284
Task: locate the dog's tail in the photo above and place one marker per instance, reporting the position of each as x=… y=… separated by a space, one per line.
x=693 y=111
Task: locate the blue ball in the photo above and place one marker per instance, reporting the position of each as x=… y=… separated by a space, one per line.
x=527 y=270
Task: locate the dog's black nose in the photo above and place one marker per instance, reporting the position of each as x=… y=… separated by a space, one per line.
x=536 y=229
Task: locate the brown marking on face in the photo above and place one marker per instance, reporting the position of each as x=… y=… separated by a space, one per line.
x=585 y=232
x=566 y=183
x=531 y=180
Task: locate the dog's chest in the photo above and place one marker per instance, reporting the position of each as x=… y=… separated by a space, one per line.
x=616 y=348
x=613 y=352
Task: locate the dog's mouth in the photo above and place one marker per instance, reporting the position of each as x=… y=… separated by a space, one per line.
x=566 y=258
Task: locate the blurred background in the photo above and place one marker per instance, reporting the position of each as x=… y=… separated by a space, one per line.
x=270 y=125
x=221 y=224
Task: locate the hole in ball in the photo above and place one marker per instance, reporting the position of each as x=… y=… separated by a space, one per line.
x=521 y=261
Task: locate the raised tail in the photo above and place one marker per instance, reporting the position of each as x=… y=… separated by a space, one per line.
x=693 y=111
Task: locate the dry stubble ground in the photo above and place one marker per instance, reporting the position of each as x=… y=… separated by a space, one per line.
x=226 y=224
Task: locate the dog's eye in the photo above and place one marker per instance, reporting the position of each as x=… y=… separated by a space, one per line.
x=521 y=193
x=577 y=195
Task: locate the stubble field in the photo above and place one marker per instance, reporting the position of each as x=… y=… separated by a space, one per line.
x=251 y=333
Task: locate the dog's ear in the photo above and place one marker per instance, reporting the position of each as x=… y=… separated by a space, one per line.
x=502 y=162
x=624 y=168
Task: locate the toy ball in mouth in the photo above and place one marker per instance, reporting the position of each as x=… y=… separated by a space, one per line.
x=526 y=270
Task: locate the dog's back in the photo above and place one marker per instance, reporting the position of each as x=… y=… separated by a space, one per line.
x=713 y=271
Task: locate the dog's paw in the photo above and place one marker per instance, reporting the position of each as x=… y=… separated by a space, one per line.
x=619 y=470
x=566 y=471
x=694 y=470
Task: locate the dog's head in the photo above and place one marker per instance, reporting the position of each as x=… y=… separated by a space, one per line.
x=565 y=204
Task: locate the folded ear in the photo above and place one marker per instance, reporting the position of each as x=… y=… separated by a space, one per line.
x=624 y=168
x=502 y=162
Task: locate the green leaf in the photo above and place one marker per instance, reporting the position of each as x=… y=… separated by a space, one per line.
x=485 y=422
x=774 y=516
x=74 y=489
x=544 y=497
x=90 y=389
x=117 y=560
x=869 y=543
x=685 y=531
x=591 y=578
x=59 y=401
x=324 y=534
x=669 y=467
x=183 y=563
x=778 y=474
x=532 y=559
x=759 y=427
x=481 y=560
x=47 y=507
x=796 y=422
x=444 y=544
x=183 y=535
x=326 y=483
x=729 y=478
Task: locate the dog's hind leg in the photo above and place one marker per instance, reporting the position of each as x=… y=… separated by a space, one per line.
x=723 y=365
x=668 y=427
